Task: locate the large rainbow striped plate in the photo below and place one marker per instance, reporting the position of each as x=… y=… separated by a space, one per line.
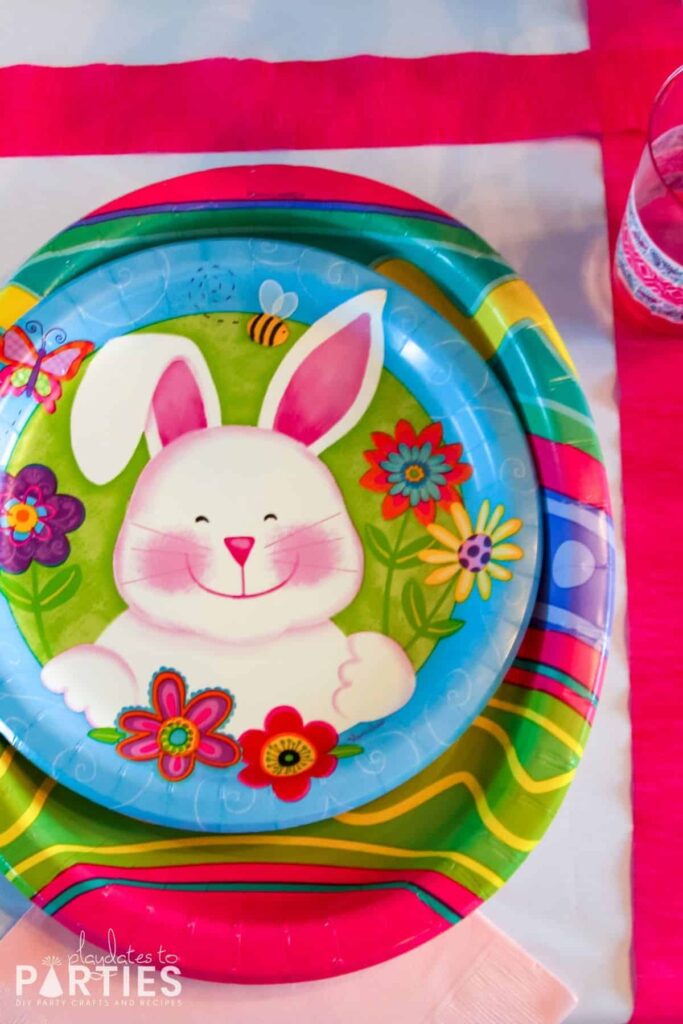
x=371 y=883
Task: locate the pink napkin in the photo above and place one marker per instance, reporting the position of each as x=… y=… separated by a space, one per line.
x=472 y=974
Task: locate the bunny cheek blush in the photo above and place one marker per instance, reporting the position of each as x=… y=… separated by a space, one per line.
x=311 y=554
x=236 y=549
x=159 y=561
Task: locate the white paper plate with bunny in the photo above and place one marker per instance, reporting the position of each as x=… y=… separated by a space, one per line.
x=269 y=535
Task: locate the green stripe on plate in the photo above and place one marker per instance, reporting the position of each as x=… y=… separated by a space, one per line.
x=60 y=901
x=559 y=424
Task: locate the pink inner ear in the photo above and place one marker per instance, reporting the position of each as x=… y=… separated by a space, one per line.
x=177 y=403
x=327 y=383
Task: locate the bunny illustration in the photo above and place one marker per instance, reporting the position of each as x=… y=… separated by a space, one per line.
x=236 y=548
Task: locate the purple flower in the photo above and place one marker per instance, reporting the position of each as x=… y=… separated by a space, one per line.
x=34 y=520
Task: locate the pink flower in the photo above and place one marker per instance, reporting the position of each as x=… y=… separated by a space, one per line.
x=178 y=734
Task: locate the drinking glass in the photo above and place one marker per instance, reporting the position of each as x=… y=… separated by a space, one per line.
x=649 y=254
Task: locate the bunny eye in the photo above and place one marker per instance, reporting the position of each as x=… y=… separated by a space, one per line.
x=271 y=515
x=201 y=519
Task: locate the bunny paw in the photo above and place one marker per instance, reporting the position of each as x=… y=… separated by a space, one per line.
x=377 y=680
x=93 y=680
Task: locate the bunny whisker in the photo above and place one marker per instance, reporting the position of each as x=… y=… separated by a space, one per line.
x=163 y=533
x=301 y=529
x=310 y=544
x=180 y=552
x=330 y=568
x=154 y=575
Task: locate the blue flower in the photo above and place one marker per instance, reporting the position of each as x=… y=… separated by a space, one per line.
x=415 y=471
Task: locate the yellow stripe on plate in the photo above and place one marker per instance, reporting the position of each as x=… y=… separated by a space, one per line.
x=255 y=840
x=408 y=804
x=509 y=303
x=6 y=760
x=541 y=720
x=27 y=817
x=518 y=770
x=15 y=301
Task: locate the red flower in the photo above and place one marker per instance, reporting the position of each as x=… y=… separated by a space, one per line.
x=415 y=471
x=179 y=734
x=286 y=754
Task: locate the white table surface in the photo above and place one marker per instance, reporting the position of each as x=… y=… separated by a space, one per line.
x=542 y=205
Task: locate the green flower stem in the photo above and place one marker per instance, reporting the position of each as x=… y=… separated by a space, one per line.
x=107 y=734
x=386 y=606
x=38 y=614
x=439 y=604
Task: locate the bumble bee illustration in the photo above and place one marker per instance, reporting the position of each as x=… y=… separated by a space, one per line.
x=268 y=328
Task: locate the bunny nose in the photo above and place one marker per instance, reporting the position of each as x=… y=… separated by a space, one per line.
x=239 y=547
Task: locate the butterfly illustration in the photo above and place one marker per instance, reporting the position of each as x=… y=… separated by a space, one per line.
x=35 y=372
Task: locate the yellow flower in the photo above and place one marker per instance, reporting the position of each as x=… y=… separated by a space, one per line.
x=473 y=552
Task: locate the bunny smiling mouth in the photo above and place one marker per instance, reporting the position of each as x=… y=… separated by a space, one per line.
x=244 y=595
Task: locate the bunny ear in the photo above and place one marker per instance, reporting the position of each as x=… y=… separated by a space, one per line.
x=152 y=384
x=328 y=379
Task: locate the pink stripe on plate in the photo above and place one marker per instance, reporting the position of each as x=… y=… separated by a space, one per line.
x=268 y=181
x=571 y=472
x=326 y=933
x=536 y=681
x=564 y=652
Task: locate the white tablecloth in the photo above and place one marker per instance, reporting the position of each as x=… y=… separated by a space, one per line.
x=162 y=31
